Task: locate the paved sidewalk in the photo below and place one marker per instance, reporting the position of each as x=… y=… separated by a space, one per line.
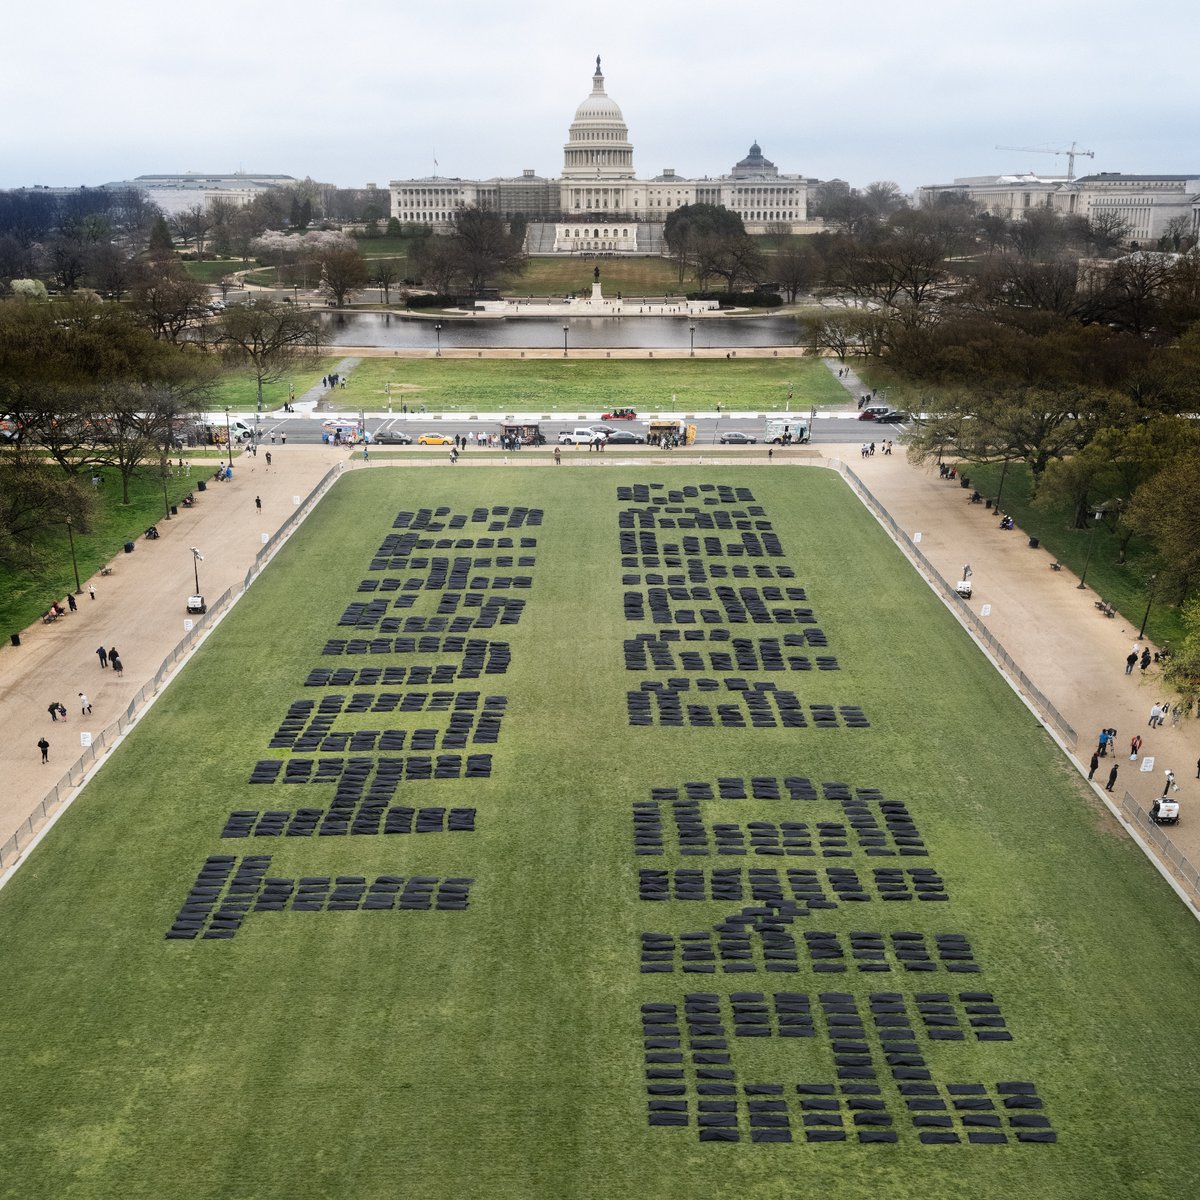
x=140 y=609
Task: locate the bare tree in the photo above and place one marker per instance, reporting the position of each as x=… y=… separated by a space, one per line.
x=268 y=337
x=385 y=274
x=167 y=302
x=343 y=269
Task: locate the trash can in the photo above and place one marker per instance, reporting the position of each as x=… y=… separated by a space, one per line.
x=1034 y=543
x=201 y=486
x=174 y=510
x=15 y=638
x=128 y=547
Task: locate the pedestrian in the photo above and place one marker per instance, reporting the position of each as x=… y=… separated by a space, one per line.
x=113 y=653
x=1145 y=657
x=44 y=747
x=272 y=443
x=1130 y=662
x=557 y=456
x=117 y=665
x=85 y=706
x=1155 y=716
x=102 y=655
x=92 y=590
x=1198 y=768
x=770 y=453
x=269 y=455
x=62 y=711
x=283 y=439
x=52 y=709
x=1102 y=748
x=1135 y=747
x=71 y=602
x=1093 y=765
x=258 y=503
x=1112 y=779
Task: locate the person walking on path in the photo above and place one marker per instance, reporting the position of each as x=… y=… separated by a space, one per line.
x=1155 y=716
x=1135 y=747
x=1198 y=768
x=71 y=602
x=52 y=709
x=1102 y=748
x=102 y=655
x=1130 y=662
x=92 y=590
x=557 y=456
x=115 y=659
x=1112 y=779
x=44 y=747
x=1145 y=655
x=269 y=455
x=85 y=705
x=258 y=503
x=1093 y=765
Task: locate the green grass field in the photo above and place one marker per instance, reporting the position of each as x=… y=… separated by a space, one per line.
x=498 y=1051
x=547 y=385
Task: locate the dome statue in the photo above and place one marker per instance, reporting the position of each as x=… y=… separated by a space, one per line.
x=598 y=145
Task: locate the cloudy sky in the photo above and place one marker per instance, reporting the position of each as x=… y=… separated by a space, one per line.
x=357 y=91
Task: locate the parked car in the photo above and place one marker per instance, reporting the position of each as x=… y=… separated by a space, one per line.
x=581 y=436
x=620 y=414
x=434 y=439
x=735 y=438
x=392 y=437
x=624 y=437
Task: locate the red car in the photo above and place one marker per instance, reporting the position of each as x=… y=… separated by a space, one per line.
x=620 y=414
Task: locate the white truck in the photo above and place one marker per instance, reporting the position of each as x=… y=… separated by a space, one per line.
x=582 y=435
x=786 y=431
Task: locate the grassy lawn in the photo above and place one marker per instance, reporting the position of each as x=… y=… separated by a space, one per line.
x=213 y=270
x=1124 y=585
x=239 y=390
x=591 y=385
x=498 y=1051
x=25 y=595
x=630 y=276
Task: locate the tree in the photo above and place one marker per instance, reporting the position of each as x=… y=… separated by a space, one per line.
x=343 y=269
x=385 y=274
x=735 y=259
x=883 y=197
x=111 y=270
x=193 y=224
x=167 y=302
x=161 y=245
x=486 y=246
x=436 y=262
x=1107 y=230
x=29 y=289
x=796 y=269
x=1164 y=508
x=66 y=261
x=37 y=499
x=694 y=232
x=268 y=337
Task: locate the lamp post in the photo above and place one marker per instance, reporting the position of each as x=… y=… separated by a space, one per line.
x=1097 y=513
x=437 y=328
x=1149 y=601
x=566 y=330
x=197 y=558
x=692 y=331
x=1000 y=492
x=74 y=564
x=164 y=469
x=228 y=438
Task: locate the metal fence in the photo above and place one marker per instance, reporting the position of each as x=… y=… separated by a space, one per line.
x=1011 y=668
x=1181 y=866
x=111 y=734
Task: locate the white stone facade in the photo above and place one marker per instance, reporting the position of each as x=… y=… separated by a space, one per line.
x=1148 y=204
x=600 y=201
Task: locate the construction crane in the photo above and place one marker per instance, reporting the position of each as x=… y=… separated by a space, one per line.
x=1073 y=153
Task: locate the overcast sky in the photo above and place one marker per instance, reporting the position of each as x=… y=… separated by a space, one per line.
x=357 y=91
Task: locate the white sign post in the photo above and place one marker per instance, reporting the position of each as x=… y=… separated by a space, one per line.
x=1148 y=764
x=986 y=610
x=188 y=625
x=85 y=738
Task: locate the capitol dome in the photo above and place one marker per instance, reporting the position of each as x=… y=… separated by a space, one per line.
x=598 y=145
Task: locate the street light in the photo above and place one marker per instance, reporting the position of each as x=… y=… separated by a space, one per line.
x=71 y=537
x=1098 y=512
x=197 y=558
x=566 y=330
x=1149 y=601
x=438 y=330
x=164 y=469
x=228 y=438
x=692 y=331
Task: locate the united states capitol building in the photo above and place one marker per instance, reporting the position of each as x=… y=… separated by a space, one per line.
x=598 y=205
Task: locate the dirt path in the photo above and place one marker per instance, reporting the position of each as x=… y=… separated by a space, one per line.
x=140 y=609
